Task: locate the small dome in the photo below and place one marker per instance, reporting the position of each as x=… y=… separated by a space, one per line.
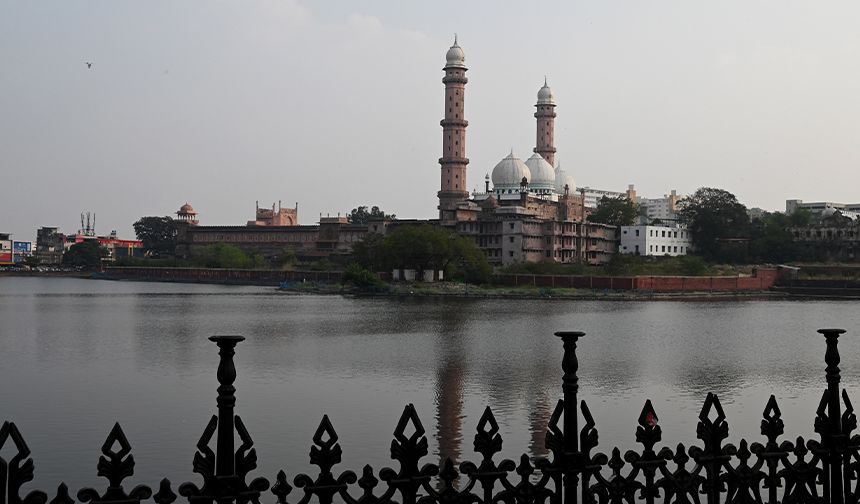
x=562 y=178
x=186 y=209
x=509 y=172
x=455 y=56
x=545 y=96
x=543 y=175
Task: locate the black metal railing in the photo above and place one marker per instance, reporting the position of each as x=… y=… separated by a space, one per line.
x=826 y=470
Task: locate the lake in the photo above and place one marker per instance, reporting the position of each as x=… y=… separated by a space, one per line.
x=79 y=355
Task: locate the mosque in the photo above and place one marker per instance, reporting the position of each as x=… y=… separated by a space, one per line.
x=533 y=211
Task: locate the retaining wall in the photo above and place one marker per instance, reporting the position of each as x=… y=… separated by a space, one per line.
x=761 y=279
x=228 y=276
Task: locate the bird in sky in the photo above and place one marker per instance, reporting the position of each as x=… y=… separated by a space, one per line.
x=89 y=65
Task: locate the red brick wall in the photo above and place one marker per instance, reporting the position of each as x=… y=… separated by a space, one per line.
x=761 y=279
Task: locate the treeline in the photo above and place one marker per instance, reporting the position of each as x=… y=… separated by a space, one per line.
x=424 y=248
x=722 y=230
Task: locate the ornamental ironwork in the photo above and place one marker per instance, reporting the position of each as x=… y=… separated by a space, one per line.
x=824 y=469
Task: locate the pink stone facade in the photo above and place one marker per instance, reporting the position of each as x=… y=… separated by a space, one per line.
x=545 y=141
x=453 y=162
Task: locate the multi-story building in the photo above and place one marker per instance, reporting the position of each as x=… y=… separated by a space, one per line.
x=831 y=239
x=664 y=210
x=823 y=208
x=655 y=240
x=50 y=244
x=332 y=237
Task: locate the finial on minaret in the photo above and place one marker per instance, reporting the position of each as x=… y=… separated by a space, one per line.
x=544 y=80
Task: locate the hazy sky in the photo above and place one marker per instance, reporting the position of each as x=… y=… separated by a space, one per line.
x=335 y=104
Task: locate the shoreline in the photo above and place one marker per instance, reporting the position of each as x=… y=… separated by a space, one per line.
x=461 y=291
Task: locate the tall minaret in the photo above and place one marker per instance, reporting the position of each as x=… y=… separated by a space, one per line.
x=545 y=114
x=452 y=190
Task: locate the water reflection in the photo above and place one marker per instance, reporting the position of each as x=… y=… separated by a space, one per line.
x=94 y=352
x=450 y=372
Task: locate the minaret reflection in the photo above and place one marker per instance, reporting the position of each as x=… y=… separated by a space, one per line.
x=450 y=371
x=541 y=402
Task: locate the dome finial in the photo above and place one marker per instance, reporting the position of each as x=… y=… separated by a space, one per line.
x=455 y=39
x=544 y=80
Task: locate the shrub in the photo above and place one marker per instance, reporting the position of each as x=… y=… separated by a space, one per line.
x=359 y=277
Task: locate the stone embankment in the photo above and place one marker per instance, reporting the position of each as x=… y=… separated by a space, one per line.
x=761 y=280
x=219 y=276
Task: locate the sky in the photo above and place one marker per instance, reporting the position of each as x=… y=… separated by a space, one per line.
x=332 y=104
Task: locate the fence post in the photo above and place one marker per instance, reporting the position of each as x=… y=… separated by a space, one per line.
x=570 y=387
x=835 y=440
x=225 y=462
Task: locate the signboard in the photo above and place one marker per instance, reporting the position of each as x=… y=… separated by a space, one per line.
x=5 y=257
x=21 y=247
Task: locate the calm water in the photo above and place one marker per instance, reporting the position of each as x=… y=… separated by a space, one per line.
x=79 y=355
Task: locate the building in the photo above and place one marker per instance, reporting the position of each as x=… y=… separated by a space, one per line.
x=5 y=249
x=833 y=238
x=271 y=234
x=665 y=209
x=116 y=247
x=50 y=244
x=532 y=212
x=823 y=208
x=593 y=196
x=655 y=240
x=279 y=217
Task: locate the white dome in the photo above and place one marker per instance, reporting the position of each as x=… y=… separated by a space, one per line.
x=562 y=178
x=455 y=57
x=509 y=172
x=545 y=96
x=543 y=175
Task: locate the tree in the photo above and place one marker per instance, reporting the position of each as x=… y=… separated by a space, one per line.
x=223 y=255
x=158 y=235
x=771 y=239
x=620 y=211
x=423 y=248
x=87 y=255
x=368 y=253
x=360 y=215
x=718 y=223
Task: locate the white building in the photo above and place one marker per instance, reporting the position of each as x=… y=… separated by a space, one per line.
x=655 y=240
x=664 y=209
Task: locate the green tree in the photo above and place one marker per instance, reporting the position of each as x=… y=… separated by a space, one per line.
x=369 y=253
x=618 y=211
x=423 y=248
x=772 y=240
x=223 y=255
x=158 y=235
x=716 y=221
x=361 y=215
x=87 y=255
x=361 y=278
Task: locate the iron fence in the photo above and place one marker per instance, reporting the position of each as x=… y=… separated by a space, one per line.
x=774 y=470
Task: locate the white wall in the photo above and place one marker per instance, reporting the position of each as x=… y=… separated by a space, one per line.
x=655 y=240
